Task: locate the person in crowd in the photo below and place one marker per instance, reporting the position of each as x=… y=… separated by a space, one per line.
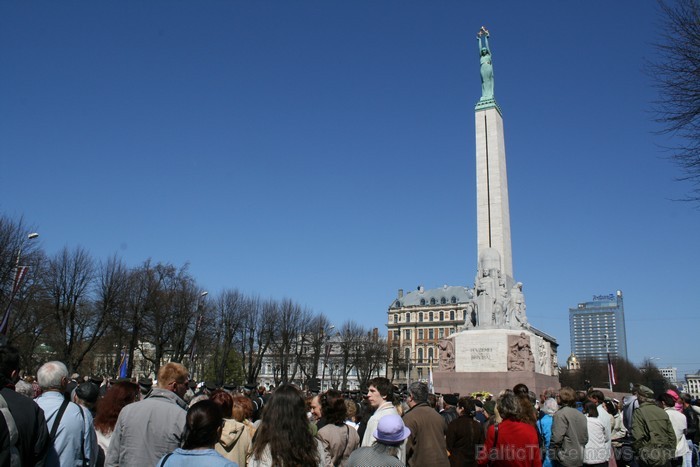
x=317 y=412
x=426 y=444
x=351 y=417
x=284 y=438
x=653 y=438
x=85 y=395
x=544 y=426
x=147 y=430
x=569 y=431
x=242 y=411
x=33 y=435
x=202 y=432
x=464 y=434
x=70 y=426
x=24 y=388
x=380 y=399
x=528 y=412
x=679 y=424
x=389 y=436
x=235 y=440
x=449 y=411
x=480 y=414
x=511 y=442
x=596 y=452
x=250 y=391
x=338 y=438
x=109 y=406
x=692 y=435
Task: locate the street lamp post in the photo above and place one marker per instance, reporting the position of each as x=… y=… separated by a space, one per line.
x=326 y=354
x=200 y=317
x=20 y=272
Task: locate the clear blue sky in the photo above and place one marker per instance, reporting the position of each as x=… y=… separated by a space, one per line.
x=324 y=151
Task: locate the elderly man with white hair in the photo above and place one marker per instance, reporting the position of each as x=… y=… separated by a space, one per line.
x=69 y=426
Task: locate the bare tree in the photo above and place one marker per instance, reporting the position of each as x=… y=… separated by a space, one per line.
x=370 y=357
x=67 y=282
x=169 y=312
x=29 y=319
x=677 y=76
x=316 y=332
x=230 y=309
x=287 y=341
x=256 y=334
x=349 y=338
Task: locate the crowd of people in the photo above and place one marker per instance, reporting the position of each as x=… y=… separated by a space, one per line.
x=57 y=419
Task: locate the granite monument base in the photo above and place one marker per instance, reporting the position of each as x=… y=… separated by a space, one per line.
x=491 y=360
x=494 y=382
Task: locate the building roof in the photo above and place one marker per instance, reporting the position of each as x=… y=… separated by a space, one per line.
x=445 y=295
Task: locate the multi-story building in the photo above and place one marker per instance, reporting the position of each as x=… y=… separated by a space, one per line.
x=417 y=321
x=671 y=375
x=598 y=328
x=692 y=385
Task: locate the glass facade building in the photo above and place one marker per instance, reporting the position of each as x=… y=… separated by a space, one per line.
x=598 y=327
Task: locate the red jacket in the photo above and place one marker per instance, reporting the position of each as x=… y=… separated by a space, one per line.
x=517 y=446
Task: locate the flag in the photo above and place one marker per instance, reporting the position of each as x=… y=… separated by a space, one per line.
x=123 y=364
x=431 y=388
x=611 y=372
x=19 y=275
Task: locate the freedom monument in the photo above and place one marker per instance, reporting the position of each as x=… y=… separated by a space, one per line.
x=496 y=347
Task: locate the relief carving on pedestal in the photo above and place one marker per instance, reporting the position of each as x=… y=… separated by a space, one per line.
x=520 y=357
x=447 y=355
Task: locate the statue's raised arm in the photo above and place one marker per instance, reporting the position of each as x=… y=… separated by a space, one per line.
x=486 y=65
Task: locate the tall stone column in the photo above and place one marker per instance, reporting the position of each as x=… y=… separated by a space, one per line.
x=492 y=210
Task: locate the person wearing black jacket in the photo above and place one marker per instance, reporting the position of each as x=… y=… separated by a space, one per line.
x=33 y=442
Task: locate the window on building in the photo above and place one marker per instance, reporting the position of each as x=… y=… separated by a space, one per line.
x=442 y=316
x=396 y=335
x=420 y=317
x=396 y=318
x=432 y=301
x=430 y=316
x=430 y=354
x=420 y=373
x=420 y=334
x=431 y=334
x=420 y=355
x=422 y=301
x=443 y=300
x=453 y=300
x=407 y=334
x=407 y=354
x=441 y=333
x=408 y=317
x=452 y=315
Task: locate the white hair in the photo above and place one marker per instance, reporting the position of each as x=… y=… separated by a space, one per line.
x=550 y=406
x=51 y=374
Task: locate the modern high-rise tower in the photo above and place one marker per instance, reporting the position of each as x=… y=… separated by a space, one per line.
x=598 y=328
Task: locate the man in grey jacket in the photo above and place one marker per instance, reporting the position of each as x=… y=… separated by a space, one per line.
x=149 y=429
x=569 y=431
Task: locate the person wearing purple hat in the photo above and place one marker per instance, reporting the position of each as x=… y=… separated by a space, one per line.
x=390 y=435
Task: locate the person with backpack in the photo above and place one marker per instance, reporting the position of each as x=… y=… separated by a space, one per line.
x=72 y=442
x=32 y=434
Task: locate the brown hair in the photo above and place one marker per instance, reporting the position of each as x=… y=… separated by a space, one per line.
x=567 y=397
x=242 y=408
x=115 y=399
x=224 y=400
x=333 y=407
